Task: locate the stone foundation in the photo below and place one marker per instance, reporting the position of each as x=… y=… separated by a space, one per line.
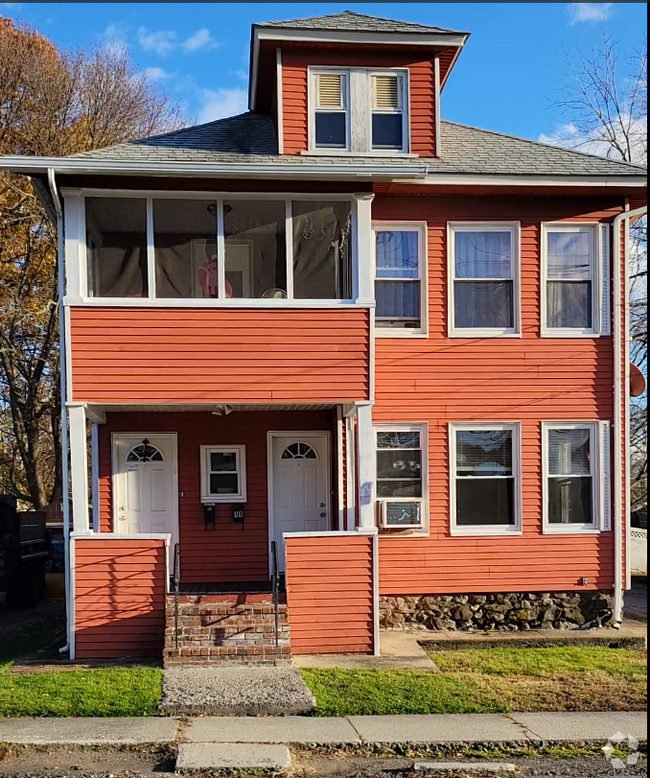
x=502 y=612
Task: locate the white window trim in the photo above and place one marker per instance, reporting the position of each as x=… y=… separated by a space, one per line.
x=359 y=112
x=486 y=530
x=77 y=291
x=423 y=275
x=214 y=499
x=596 y=281
x=404 y=95
x=598 y=477
x=312 y=91
x=514 y=228
x=423 y=429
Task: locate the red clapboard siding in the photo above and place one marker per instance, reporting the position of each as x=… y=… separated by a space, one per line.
x=529 y=380
x=295 y=64
x=159 y=355
x=119 y=598
x=230 y=552
x=329 y=594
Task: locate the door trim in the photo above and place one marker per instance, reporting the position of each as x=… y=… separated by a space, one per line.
x=270 y=438
x=136 y=436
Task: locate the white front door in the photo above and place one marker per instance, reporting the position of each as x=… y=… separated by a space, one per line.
x=301 y=486
x=145 y=496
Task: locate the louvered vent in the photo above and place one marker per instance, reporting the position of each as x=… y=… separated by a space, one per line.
x=386 y=92
x=329 y=90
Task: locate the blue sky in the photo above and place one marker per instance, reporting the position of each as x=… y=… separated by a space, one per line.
x=506 y=79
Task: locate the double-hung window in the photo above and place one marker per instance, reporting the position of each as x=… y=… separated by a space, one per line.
x=570 y=283
x=401 y=475
x=223 y=474
x=484 y=279
x=485 y=479
x=576 y=476
x=331 y=110
x=400 y=278
x=388 y=115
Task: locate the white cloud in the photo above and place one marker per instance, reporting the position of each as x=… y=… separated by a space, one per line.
x=114 y=38
x=156 y=74
x=220 y=103
x=570 y=137
x=202 y=39
x=589 y=12
x=161 y=42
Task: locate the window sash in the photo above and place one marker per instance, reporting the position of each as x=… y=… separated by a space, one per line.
x=347 y=284
x=594 y=476
x=383 y=275
x=342 y=109
x=455 y=479
x=510 y=281
x=422 y=480
x=554 y=278
x=207 y=474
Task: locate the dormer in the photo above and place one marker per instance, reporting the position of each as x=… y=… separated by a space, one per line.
x=350 y=84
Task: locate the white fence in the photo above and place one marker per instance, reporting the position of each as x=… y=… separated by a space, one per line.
x=639 y=551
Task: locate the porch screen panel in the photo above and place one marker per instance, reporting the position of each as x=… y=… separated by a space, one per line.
x=116 y=241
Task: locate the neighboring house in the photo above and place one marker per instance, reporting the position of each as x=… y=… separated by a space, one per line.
x=385 y=351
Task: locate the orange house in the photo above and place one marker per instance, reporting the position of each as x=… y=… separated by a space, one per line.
x=342 y=365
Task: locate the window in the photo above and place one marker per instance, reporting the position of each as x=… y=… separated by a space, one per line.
x=570 y=283
x=331 y=112
x=400 y=270
x=485 y=479
x=388 y=113
x=484 y=273
x=576 y=476
x=116 y=240
x=223 y=474
x=401 y=475
x=358 y=111
x=235 y=248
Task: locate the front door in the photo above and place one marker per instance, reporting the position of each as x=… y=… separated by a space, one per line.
x=145 y=494
x=300 y=487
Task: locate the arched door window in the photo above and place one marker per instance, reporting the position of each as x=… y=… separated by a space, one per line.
x=145 y=452
x=299 y=451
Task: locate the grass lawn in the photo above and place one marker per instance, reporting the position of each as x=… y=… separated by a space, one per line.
x=114 y=691
x=493 y=680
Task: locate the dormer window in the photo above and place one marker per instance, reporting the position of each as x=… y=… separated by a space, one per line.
x=388 y=112
x=358 y=111
x=331 y=119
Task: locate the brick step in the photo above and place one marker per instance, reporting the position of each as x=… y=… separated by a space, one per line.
x=217 y=629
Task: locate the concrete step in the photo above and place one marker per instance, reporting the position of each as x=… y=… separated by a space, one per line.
x=231 y=756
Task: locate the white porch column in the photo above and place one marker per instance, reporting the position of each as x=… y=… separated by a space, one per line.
x=365 y=291
x=79 y=468
x=367 y=471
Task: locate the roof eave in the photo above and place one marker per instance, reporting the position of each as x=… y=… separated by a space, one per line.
x=609 y=181
x=425 y=40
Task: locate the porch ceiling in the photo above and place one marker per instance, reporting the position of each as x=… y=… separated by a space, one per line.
x=194 y=408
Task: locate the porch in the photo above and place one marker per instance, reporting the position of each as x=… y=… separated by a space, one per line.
x=195 y=515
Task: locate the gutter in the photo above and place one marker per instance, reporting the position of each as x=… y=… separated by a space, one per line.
x=621 y=400
x=272 y=170
x=63 y=359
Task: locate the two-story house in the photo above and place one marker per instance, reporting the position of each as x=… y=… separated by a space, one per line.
x=339 y=343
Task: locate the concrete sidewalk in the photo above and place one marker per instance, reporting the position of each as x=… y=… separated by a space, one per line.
x=351 y=731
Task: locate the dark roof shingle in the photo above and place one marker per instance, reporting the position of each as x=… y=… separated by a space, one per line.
x=465 y=150
x=350 y=21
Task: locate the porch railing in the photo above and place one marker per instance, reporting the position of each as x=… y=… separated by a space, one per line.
x=275 y=583
x=176 y=585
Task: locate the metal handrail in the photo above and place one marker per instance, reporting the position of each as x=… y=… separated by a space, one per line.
x=275 y=583
x=176 y=585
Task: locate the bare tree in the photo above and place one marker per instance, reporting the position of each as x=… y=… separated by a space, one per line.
x=604 y=100
x=51 y=103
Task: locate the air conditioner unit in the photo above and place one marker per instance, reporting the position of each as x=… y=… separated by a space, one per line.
x=400 y=515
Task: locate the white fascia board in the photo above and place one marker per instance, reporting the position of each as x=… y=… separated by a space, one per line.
x=63 y=166
x=353 y=36
x=470 y=179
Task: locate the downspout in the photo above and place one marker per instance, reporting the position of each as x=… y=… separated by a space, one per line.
x=620 y=398
x=63 y=359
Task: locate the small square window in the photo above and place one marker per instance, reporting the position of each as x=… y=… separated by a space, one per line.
x=223 y=474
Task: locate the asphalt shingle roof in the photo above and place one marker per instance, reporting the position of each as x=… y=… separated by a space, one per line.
x=251 y=138
x=349 y=21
